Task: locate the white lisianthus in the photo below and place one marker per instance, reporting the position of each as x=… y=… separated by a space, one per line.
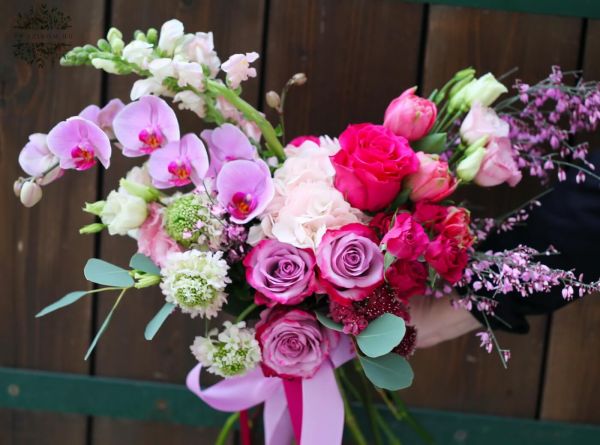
x=170 y=34
x=238 y=68
x=234 y=352
x=195 y=281
x=188 y=100
x=484 y=90
x=138 y=53
x=123 y=212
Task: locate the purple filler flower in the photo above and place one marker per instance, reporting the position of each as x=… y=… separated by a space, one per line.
x=280 y=272
x=77 y=142
x=245 y=188
x=179 y=163
x=226 y=143
x=146 y=125
x=350 y=263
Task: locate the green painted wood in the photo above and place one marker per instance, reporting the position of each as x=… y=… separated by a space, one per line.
x=142 y=400
x=573 y=8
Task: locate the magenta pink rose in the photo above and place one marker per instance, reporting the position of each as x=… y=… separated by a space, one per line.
x=293 y=343
x=153 y=240
x=482 y=121
x=280 y=273
x=447 y=258
x=407 y=278
x=410 y=116
x=350 y=263
x=498 y=165
x=371 y=164
x=432 y=182
x=406 y=239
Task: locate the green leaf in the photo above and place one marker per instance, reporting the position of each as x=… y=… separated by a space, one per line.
x=143 y=263
x=399 y=200
x=328 y=322
x=433 y=143
x=68 y=299
x=388 y=259
x=382 y=335
x=101 y=272
x=389 y=371
x=156 y=322
x=104 y=325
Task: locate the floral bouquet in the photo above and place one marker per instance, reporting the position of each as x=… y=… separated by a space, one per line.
x=314 y=248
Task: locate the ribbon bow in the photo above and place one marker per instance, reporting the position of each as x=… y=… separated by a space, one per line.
x=293 y=408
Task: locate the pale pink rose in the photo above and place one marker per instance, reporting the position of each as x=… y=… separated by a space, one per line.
x=482 y=121
x=498 y=165
x=432 y=182
x=153 y=240
x=410 y=116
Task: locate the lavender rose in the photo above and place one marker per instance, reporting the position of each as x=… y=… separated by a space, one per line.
x=292 y=342
x=350 y=263
x=281 y=273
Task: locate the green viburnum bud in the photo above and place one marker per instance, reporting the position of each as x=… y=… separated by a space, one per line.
x=147 y=280
x=95 y=208
x=469 y=166
x=113 y=33
x=107 y=65
x=92 y=228
x=152 y=36
x=148 y=194
x=103 y=45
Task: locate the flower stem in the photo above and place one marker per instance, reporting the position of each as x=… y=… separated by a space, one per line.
x=246 y=312
x=267 y=130
x=226 y=430
x=359 y=438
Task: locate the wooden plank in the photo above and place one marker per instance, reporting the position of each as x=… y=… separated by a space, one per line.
x=459 y=375
x=42 y=253
x=358 y=55
x=237 y=27
x=571 y=391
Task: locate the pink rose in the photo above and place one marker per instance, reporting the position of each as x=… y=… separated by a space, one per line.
x=298 y=141
x=371 y=164
x=350 y=263
x=410 y=116
x=293 y=343
x=281 y=273
x=429 y=214
x=498 y=165
x=447 y=258
x=406 y=240
x=152 y=240
x=381 y=223
x=407 y=278
x=432 y=182
x=482 y=121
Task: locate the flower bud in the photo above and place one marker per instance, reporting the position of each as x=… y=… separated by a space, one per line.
x=147 y=280
x=107 y=65
x=112 y=34
x=117 y=46
x=31 y=193
x=152 y=36
x=103 y=45
x=95 y=208
x=273 y=100
x=299 y=79
x=484 y=90
x=410 y=116
x=139 y=35
x=469 y=166
x=17 y=186
x=148 y=194
x=92 y=228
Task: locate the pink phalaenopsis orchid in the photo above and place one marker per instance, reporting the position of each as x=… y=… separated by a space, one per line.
x=179 y=163
x=36 y=158
x=226 y=143
x=145 y=125
x=78 y=142
x=245 y=188
x=103 y=117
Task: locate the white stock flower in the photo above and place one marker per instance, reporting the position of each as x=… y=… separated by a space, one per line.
x=195 y=281
x=189 y=100
x=162 y=68
x=151 y=85
x=200 y=48
x=189 y=73
x=234 y=352
x=170 y=33
x=107 y=65
x=238 y=68
x=138 y=52
x=123 y=212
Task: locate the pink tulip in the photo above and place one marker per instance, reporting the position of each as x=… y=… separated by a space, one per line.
x=498 y=165
x=410 y=116
x=432 y=182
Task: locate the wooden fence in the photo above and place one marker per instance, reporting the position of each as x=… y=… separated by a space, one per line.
x=358 y=54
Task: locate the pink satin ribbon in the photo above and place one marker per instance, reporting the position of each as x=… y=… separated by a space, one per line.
x=310 y=410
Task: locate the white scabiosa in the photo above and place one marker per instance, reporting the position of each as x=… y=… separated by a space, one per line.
x=233 y=352
x=195 y=281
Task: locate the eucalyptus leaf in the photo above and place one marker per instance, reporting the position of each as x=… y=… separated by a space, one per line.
x=143 y=263
x=381 y=335
x=101 y=272
x=154 y=325
x=388 y=259
x=68 y=299
x=104 y=325
x=328 y=322
x=433 y=143
x=389 y=371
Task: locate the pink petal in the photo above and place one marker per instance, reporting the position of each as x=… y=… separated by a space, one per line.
x=91 y=113
x=35 y=158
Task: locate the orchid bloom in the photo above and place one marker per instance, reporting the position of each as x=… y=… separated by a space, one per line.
x=179 y=163
x=103 y=117
x=145 y=125
x=78 y=142
x=226 y=143
x=245 y=188
x=36 y=158
x=238 y=68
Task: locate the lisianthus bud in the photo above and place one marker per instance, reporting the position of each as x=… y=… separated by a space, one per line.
x=148 y=194
x=147 y=280
x=31 y=193
x=484 y=90
x=273 y=99
x=95 y=208
x=92 y=228
x=299 y=79
x=410 y=116
x=467 y=168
